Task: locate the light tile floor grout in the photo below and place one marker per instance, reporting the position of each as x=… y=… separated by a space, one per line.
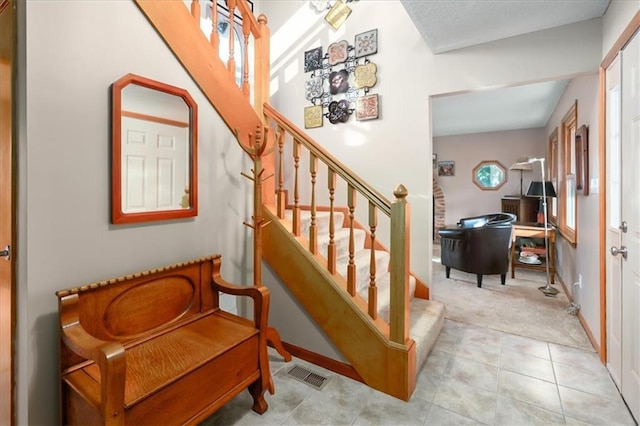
x=456 y=394
x=447 y=394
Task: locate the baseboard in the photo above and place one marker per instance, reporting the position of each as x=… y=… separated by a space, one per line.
x=323 y=361
x=586 y=327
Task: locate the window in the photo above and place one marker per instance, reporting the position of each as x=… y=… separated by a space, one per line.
x=567 y=200
x=489 y=175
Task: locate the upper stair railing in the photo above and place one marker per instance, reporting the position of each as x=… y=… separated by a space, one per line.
x=253 y=29
x=179 y=25
x=398 y=212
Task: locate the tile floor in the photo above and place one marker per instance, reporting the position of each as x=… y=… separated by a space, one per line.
x=473 y=376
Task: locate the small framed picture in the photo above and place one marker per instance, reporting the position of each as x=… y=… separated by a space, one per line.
x=313 y=117
x=366 y=43
x=446 y=168
x=367 y=107
x=313 y=59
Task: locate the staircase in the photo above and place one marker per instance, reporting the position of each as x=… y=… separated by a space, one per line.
x=359 y=291
x=425 y=316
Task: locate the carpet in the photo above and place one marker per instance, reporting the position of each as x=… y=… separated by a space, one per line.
x=517 y=307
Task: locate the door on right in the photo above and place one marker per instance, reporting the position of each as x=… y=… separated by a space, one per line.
x=623 y=222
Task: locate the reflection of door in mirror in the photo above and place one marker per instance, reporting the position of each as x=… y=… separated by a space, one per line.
x=154 y=151
x=155 y=129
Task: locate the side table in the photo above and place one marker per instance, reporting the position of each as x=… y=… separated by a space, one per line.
x=532 y=230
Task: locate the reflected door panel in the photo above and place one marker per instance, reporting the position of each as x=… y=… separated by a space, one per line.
x=154 y=157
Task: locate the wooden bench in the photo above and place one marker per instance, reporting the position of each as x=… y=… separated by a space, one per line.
x=155 y=347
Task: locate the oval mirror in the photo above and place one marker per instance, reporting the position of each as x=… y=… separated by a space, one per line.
x=489 y=175
x=153 y=151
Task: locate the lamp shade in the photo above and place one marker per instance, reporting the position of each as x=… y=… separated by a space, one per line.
x=535 y=189
x=520 y=164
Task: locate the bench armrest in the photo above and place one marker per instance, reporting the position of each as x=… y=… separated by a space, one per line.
x=260 y=295
x=108 y=356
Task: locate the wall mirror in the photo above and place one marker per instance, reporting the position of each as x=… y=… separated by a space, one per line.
x=489 y=175
x=154 y=152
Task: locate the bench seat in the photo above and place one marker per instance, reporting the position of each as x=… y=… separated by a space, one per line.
x=176 y=373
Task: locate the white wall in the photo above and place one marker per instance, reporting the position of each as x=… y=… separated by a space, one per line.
x=619 y=14
x=582 y=259
x=462 y=197
x=74 y=51
x=397 y=147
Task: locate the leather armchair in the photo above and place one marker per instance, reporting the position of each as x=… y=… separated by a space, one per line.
x=479 y=245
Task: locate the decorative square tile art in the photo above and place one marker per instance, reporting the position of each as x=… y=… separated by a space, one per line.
x=313 y=59
x=365 y=75
x=338 y=13
x=313 y=88
x=313 y=117
x=338 y=52
x=366 y=43
x=367 y=107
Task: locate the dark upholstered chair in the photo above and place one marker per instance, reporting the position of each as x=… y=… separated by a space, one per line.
x=479 y=245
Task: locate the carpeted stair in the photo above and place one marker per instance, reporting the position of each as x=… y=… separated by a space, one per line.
x=426 y=316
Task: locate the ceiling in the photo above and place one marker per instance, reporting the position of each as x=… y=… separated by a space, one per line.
x=447 y=25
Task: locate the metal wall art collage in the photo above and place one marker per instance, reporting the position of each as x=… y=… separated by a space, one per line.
x=340 y=81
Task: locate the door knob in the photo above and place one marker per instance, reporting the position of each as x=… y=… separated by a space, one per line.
x=623 y=226
x=616 y=251
x=6 y=253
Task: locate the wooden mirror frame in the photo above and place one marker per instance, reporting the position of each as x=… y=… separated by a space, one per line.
x=118 y=216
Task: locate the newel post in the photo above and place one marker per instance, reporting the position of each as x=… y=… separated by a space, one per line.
x=399 y=268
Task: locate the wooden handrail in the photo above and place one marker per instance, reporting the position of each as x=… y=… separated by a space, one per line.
x=247 y=15
x=350 y=177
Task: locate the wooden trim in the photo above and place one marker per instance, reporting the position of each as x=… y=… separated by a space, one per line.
x=602 y=211
x=569 y=121
x=8 y=194
x=625 y=37
x=583 y=322
x=153 y=118
x=622 y=41
x=327 y=363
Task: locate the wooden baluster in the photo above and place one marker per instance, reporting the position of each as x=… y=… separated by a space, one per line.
x=281 y=193
x=261 y=66
x=373 y=291
x=313 y=229
x=246 y=31
x=331 y=249
x=399 y=267
x=351 y=267
x=195 y=11
x=231 y=64
x=214 y=38
x=296 y=194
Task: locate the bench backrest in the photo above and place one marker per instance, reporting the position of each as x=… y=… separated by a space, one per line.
x=131 y=307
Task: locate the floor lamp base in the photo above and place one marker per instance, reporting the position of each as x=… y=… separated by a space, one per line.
x=548 y=290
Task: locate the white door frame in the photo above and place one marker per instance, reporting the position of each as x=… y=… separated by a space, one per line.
x=627 y=35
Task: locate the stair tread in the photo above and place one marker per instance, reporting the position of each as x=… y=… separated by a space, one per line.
x=425 y=324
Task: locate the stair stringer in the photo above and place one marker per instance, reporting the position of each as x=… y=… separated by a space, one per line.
x=383 y=365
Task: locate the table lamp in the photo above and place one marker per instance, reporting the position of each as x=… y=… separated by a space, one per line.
x=521 y=167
